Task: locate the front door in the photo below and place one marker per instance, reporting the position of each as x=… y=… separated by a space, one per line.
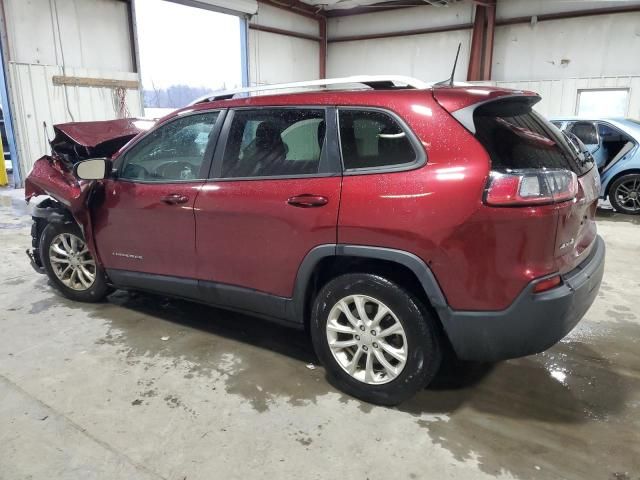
x=145 y=222
x=274 y=196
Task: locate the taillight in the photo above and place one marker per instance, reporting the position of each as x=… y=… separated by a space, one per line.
x=530 y=187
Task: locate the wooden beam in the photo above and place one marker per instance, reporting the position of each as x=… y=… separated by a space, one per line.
x=94 y=82
x=280 y=31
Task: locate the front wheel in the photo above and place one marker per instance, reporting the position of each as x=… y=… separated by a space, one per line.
x=624 y=194
x=69 y=264
x=375 y=339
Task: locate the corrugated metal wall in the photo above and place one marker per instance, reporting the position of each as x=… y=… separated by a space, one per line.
x=91 y=38
x=560 y=97
x=39 y=101
x=277 y=58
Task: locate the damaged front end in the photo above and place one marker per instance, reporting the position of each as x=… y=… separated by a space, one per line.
x=51 y=189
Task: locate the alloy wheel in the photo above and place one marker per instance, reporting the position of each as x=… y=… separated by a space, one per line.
x=72 y=262
x=628 y=195
x=367 y=339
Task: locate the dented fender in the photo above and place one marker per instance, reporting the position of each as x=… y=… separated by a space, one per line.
x=51 y=177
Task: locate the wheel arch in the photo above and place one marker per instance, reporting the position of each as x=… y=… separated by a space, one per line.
x=328 y=261
x=622 y=173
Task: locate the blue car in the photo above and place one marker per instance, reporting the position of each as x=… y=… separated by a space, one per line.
x=614 y=144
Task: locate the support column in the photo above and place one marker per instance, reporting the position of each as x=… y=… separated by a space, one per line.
x=322 y=27
x=487 y=54
x=477 y=40
x=481 y=55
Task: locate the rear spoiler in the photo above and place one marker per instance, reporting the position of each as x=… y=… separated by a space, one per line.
x=462 y=103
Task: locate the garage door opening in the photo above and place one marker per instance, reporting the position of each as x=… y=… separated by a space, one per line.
x=9 y=174
x=185 y=52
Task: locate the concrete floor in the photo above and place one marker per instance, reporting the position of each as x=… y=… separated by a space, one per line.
x=144 y=387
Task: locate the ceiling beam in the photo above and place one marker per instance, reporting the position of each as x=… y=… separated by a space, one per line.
x=378 y=7
x=295 y=6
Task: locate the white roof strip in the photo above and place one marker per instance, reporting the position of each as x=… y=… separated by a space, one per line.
x=372 y=81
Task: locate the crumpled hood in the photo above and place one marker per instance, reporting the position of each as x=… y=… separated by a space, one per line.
x=78 y=141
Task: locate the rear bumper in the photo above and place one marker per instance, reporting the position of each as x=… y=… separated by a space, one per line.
x=534 y=322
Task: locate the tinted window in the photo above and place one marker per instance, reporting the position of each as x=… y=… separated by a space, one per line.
x=175 y=151
x=586 y=132
x=515 y=136
x=373 y=139
x=608 y=133
x=274 y=142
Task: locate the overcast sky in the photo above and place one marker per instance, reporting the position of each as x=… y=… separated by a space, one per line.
x=187 y=45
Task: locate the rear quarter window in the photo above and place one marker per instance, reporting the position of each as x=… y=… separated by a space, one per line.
x=373 y=139
x=516 y=137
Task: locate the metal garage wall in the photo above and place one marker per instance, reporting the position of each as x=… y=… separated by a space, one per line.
x=39 y=101
x=559 y=97
x=275 y=58
x=427 y=56
x=91 y=38
x=585 y=47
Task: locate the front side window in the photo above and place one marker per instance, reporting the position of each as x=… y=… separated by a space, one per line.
x=173 y=152
x=274 y=142
x=371 y=139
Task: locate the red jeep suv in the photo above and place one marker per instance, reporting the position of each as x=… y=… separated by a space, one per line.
x=394 y=222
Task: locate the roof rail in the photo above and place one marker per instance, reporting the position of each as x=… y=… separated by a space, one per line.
x=376 y=82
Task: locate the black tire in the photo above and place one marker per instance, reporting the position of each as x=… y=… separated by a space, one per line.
x=614 y=194
x=98 y=289
x=420 y=328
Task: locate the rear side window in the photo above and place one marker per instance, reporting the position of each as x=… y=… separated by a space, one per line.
x=516 y=137
x=371 y=139
x=274 y=142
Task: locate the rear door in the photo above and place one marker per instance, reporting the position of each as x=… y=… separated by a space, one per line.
x=145 y=222
x=273 y=196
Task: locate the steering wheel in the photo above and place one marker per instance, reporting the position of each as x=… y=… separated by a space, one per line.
x=134 y=171
x=177 y=170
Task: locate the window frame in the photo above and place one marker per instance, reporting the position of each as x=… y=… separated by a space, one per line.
x=615 y=128
x=329 y=154
x=418 y=149
x=627 y=90
x=207 y=161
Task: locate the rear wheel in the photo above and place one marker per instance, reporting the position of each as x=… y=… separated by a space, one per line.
x=69 y=264
x=624 y=194
x=376 y=340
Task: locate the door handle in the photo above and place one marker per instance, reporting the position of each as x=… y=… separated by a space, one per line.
x=174 y=199
x=308 y=201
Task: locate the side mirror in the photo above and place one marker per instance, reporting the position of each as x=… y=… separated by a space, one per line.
x=93 y=169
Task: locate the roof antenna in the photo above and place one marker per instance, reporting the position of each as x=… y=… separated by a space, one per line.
x=449 y=81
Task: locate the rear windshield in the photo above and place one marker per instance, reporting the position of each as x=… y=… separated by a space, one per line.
x=516 y=136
